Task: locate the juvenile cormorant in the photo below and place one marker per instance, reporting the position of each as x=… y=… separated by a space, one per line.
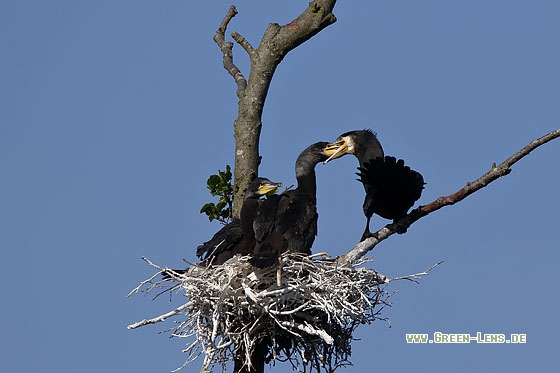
x=288 y=222
x=238 y=236
x=391 y=187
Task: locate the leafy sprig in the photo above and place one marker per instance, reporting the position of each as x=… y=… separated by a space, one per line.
x=220 y=185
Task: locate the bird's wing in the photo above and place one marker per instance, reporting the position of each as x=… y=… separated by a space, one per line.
x=265 y=218
x=223 y=240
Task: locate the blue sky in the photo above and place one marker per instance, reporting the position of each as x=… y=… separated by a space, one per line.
x=114 y=113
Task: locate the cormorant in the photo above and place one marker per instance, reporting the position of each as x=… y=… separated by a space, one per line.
x=391 y=187
x=238 y=236
x=288 y=221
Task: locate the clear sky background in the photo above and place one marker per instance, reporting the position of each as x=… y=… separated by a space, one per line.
x=114 y=113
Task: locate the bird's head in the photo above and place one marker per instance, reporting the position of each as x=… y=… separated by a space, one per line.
x=262 y=186
x=341 y=146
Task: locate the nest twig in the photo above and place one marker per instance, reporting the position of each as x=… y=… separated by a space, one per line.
x=304 y=309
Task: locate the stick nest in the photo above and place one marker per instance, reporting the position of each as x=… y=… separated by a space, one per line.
x=303 y=310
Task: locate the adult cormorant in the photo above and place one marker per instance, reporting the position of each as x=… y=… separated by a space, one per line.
x=288 y=222
x=238 y=236
x=391 y=187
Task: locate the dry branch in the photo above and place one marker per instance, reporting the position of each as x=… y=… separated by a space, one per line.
x=402 y=224
x=227 y=50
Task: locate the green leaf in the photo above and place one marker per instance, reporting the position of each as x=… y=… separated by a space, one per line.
x=219 y=185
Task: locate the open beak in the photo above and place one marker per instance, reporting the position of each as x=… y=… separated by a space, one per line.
x=269 y=189
x=336 y=150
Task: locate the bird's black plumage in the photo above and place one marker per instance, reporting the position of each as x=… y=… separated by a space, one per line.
x=391 y=187
x=238 y=236
x=288 y=222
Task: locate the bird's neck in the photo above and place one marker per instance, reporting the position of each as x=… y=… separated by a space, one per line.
x=305 y=174
x=307 y=183
x=368 y=154
x=247 y=214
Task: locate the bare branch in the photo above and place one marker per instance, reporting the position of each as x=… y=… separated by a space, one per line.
x=310 y=330
x=243 y=42
x=402 y=224
x=226 y=48
x=415 y=276
x=160 y=318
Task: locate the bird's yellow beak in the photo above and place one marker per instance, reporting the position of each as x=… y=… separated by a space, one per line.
x=269 y=189
x=336 y=149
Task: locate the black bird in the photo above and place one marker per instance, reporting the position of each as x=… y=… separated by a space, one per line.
x=288 y=222
x=391 y=187
x=238 y=236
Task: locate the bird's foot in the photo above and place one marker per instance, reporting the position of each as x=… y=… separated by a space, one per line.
x=397 y=228
x=367 y=234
